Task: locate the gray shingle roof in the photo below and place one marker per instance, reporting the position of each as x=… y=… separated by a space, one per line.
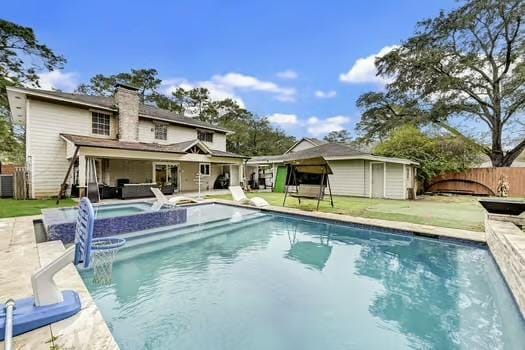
x=315 y=141
x=324 y=150
x=144 y=110
x=180 y=147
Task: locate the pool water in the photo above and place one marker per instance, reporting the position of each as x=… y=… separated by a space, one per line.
x=110 y=210
x=277 y=282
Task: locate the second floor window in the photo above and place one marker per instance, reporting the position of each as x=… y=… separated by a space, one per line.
x=161 y=132
x=205 y=136
x=100 y=123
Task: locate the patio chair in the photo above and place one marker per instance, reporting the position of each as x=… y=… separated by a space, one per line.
x=240 y=197
x=162 y=200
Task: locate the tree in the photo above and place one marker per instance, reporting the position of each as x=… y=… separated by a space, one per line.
x=338 y=136
x=195 y=102
x=435 y=155
x=22 y=56
x=468 y=63
x=145 y=80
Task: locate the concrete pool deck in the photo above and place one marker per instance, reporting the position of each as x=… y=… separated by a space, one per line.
x=88 y=330
x=20 y=253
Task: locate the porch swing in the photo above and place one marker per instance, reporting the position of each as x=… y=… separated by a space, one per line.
x=308 y=191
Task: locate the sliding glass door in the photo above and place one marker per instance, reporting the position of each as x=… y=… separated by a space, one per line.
x=166 y=174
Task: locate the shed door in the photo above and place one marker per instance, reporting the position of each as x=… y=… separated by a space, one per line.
x=378 y=180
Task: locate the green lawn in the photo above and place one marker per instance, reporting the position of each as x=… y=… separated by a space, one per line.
x=462 y=212
x=12 y=207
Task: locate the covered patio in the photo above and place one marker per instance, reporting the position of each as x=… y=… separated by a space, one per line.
x=129 y=169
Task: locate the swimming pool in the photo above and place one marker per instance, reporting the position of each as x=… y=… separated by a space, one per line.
x=266 y=281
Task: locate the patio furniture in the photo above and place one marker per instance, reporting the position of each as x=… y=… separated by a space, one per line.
x=167 y=189
x=129 y=191
x=240 y=197
x=162 y=200
x=108 y=192
x=120 y=185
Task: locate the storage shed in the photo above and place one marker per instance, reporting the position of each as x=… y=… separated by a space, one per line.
x=354 y=173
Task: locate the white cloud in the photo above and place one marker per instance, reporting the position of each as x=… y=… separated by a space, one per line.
x=250 y=83
x=317 y=127
x=325 y=94
x=281 y=118
x=228 y=86
x=364 y=70
x=287 y=74
x=58 y=79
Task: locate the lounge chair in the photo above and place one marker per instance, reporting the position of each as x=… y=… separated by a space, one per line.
x=162 y=200
x=239 y=196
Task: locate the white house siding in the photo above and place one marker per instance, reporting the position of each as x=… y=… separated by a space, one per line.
x=46 y=150
x=352 y=178
x=349 y=177
x=177 y=134
x=394 y=181
x=219 y=142
x=366 y=189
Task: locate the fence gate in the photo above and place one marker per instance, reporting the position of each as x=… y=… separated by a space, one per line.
x=20 y=183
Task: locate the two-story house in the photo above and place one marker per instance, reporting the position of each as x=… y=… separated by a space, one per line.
x=119 y=139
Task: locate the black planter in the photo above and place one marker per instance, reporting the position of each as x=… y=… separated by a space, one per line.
x=502 y=206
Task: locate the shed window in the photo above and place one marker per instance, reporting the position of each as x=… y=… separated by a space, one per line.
x=100 y=123
x=205 y=136
x=161 y=131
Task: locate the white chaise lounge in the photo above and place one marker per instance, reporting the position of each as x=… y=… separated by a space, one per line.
x=162 y=199
x=240 y=197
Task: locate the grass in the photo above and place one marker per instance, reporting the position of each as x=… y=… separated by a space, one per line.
x=12 y=207
x=462 y=212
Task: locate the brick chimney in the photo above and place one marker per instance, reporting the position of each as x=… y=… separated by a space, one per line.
x=127 y=101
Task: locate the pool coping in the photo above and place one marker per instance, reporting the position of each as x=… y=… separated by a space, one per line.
x=401 y=227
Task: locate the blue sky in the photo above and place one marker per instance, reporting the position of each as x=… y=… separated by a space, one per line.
x=302 y=63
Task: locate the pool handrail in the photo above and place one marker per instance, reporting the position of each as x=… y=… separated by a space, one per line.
x=8 y=337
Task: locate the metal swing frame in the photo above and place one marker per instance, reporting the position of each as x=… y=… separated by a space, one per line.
x=320 y=195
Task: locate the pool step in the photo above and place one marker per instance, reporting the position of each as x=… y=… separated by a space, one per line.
x=154 y=241
x=130 y=236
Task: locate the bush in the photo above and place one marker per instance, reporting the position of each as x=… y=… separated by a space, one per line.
x=436 y=155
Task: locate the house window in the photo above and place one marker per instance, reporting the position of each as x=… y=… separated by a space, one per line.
x=100 y=123
x=205 y=169
x=161 y=131
x=205 y=136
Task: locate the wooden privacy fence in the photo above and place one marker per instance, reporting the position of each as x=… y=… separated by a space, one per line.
x=480 y=181
x=21 y=189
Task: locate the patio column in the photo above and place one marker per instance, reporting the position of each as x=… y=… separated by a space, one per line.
x=82 y=175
